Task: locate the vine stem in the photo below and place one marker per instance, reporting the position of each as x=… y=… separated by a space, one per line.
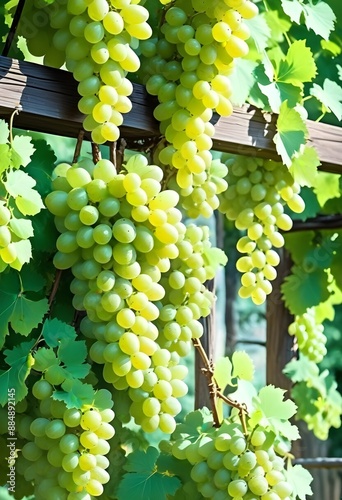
x=17 y=110
x=119 y=155
x=96 y=152
x=78 y=146
x=112 y=153
x=215 y=391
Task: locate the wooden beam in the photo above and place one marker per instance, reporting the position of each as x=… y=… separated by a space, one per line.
x=49 y=98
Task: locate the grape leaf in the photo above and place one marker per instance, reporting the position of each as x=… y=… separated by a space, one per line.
x=330 y=95
x=276 y=412
x=293 y=9
x=44 y=358
x=15 y=308
x=75 y=394
x=302 y=290
x=304 y=166
x=103 y=399
x=298 y=244
x=193 y=425
x=260 y=31
x=45 y=232
x=326 y=187
x=144 y=480
x=215 y=257
x=4 y=132
x=22 y=150
x=320 y=18
x=23 y=249
x=54 y=331
x=242 y=80
x=279 y=26
x=333 y=48
x=21 y=227
x=19 y=185
x=245 y=394
x=20 y=362
x=300 y=479
x=301 y=369
x=243 y=366
x=291 y=133
x=5 y=157
x=223 y=372
x=278 y=92
x=41 y=166
x=73 y=354
x=292 y=70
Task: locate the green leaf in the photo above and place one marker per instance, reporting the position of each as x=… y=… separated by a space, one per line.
x=223 y=372
x=320 y=18
x=293 y=9
x=21 y=227
x=326 y=187
x=44 y=358
x=291 y=133
x=260 y=31
x=215 y=257
x=243 y=366
x=75 y=394
x=144 y=481
x=22 y=150
x=304 y=166
x=279 y=26
x=300 y=479
x=278 y=92
x=4 y=132
x=41 y=166
x=333 y=48
x=301 y=369
x=23 y=249
x=242 y=80
x=299 y=244
x=73 y=354
x=312 y=207
x=292 y=70
x=20 y=362
x=5 y=157
x=330 y=95
x=19 y=185
x=275 y=412
x=54 y=331
x=103 y=399
x=194 y=424
x=302 y=290
x=15 y=308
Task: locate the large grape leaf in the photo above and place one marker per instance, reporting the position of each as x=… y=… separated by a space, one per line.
x=278 y=92
x=279 y=25
x=300 y=479
x=194 y=424
x=21 y=151
x=54 y=331
x=20 y=362
x=143 y=479
x=75 y=394
x=242 y=80
x=103 y=399
x=72 y=355
x=41 y=166
x=292 y=70
x=291 y=133
x=302 y=290
x=318 y=16
x=19 y=185
x=274 y=413
x=304 y=166
x=23 y=313
x=23 y=250
x=243 y=367
x=301 y=369
x=260 y=31
x=330 y=95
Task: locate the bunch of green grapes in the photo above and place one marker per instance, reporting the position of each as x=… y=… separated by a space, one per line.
x=309 y=335
x=100 y=54
x=228 y=466
x=65 y=451
x=187 y=68
x=258 y=192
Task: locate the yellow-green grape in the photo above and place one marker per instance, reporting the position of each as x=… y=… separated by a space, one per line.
x=310 y=335
x=188 y=70
x=257 y=195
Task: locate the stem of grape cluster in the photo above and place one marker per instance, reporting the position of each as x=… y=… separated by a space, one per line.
x=215 y=391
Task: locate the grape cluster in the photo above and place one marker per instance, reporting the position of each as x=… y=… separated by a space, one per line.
x=95 y=40
x=226 y=465
x=187 y=67
x=8 y=252
x=255 y=199
x=139 y=274
x=309 y=335
x=65 y=450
